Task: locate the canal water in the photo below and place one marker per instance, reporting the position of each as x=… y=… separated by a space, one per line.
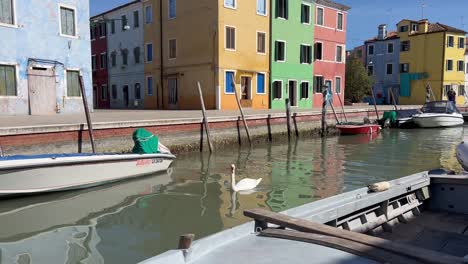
x=131 y=221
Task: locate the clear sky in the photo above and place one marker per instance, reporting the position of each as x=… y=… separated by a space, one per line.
x=366 y=15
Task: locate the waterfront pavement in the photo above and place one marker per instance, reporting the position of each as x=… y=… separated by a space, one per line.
x=120 y=117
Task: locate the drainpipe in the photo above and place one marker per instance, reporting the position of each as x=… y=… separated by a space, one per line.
x=161 y=49
x=443 y=65
x=270 y=99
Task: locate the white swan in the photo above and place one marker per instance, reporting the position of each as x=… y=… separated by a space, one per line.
x=244 y=184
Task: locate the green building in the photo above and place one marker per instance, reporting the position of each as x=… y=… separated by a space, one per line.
x=292 y=42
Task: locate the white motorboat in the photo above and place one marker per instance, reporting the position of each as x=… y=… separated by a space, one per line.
x=439 y=114
x=21 y=175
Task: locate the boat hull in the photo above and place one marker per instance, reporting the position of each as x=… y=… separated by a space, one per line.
x=60 y=174
x=438 y=120
x=358 y=129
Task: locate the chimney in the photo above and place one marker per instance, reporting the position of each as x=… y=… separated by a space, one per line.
x=382 y=32
x=423 y=26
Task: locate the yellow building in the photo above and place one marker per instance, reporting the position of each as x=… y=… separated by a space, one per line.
x=205 y=41
x=152 y=44
x=431 y=54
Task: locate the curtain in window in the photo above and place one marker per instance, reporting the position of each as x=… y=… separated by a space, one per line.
x=73 y=84
x=261 y=7
x=172 y=8
x=68 y=21
x=6 y=11
x=230 y=3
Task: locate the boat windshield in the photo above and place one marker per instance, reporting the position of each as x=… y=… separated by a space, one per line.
x=440 y=107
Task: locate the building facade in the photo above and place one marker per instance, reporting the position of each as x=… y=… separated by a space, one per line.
x=99 y=63
x=292 y=44
x=382 y=63
x=152 y=42
x=431 y=55
x=45 y=48
x=329 y=51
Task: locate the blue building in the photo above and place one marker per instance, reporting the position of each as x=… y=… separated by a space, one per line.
x=45 y=46
x=382 y=62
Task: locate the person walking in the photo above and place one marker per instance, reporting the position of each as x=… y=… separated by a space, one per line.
x=428 y=94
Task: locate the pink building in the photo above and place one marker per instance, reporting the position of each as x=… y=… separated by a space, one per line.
x=329 y=50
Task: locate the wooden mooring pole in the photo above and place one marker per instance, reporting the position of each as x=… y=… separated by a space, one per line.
x=241 y=111
x=334 y=113
x=185 y=241
x=375 y=104
x=342 y=108
x=288 y=117
x=88 y=117
x=205 y=119
x=324 y=114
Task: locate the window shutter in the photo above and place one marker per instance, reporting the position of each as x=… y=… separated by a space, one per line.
x=136 y=19
x=260 y=83
x=303 y=14
x=6 y=12
x=302 y=54
x=286 y=9
x=70 y=22
x=229 y=79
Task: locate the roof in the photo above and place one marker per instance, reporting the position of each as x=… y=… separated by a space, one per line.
x=435 y=27
x=333 y=4
x=390 y=35
x=115 y=8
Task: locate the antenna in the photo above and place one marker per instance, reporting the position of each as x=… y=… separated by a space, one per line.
x=423 y=6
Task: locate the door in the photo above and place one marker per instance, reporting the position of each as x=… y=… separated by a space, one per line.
x=173 y=92
x=246 y=91
x=328 y=84
x=42 y=91
x=126 y=96
x=292 y=92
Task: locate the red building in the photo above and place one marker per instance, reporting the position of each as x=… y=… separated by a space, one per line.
x=329 y=50
x=99 y=64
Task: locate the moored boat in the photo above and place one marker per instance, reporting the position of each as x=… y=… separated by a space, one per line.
x=355 y=129
x=439 y=114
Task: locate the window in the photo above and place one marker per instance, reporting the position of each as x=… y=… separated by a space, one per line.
x=103 y=60
x=136 y=54
x=318 y=84
x=277 y=90
x=113 y=59
x=230 y=3
x=461 y=43
x=450 y=41
x=280 y=48
x=125 y=57
x=172 y=48
x=404 y=28
x=461 y=90
x=67 y=21
x=305 y=14
x=466 y=68
x=370 y=70
x=261 y=7
x=261 y=42
x=124 y=22
x=318 y=50
x=172 y=9
x=137 y=91
x=104 y=92
x=405 y=46
x=414 y=27
x=113 y=26
x=338 y=85
x=449 y=66
x=282 y=9
x=389 y=69
x=339 y=53
x=6 y=12
x=339 y=24
x=73 y=84
x=93 y=32
x=136 y=19
x=304 y=90
x=114 y=91
x=149 y=85
x=370 y=50
x=93 y=62
x=230 y=38
x=404 y=67
x=173 y=91
x=461 y=66
x=7 y=80
x=320 y=16
x=103 y=30
x=260 y=83
x=149 y=52
x=229 y=78
x=390 y=48
x=306 y=54
x=148 y=14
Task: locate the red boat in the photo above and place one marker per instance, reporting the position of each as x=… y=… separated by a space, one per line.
x=358 y=129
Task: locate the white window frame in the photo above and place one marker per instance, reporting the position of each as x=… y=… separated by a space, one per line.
x=225 y=38
x=264 y=84
x=65 y=80
x=169 y=49
x=107 y=95
x=321 y=54
x=60 y=21
x=308 y=91
x=102 y=36
x=146 y=52
x=15 y=23
x=464 y=42
x=281 y=90
x=446 y=65
x=256 y=42
x=393 y=49
x=151 y=20
x=318 y=75
x=235 y=84
x=230 y=7
x=458 y=61
x=323 y=17
x=17 y=66
x=310 y=11
x=368 y=53
x=285 y=49
x=100 y=61
x=266 y=9
x=311 y=50
x=146 y=85
x=169 y=10
x=448 y=36
x=343 y=53
x=386 y=72
x=342 y=21
x=341 y=84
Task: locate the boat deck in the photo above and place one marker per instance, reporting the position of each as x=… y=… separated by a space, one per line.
x=439 y=231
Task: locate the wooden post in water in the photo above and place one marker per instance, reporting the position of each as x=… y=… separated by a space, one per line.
x=324 y=113
x=288 y=117
x=375 y=104
x=205 y=119
x=185 y=241
x=334 y=112
x=393 y=99
x=342 y=108
x=88 y=117
x=241 y=111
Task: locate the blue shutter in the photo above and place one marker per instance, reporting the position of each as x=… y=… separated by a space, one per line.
x=150 y=85
x=229 y=77
x=260 y=83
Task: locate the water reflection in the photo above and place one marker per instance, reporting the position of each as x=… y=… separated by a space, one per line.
x=131 y=221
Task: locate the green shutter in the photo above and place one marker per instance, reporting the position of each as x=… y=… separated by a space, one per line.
x=303 y=15
x=3 y=90
x=10 y=81
x=73 y=84
x=286 y=9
